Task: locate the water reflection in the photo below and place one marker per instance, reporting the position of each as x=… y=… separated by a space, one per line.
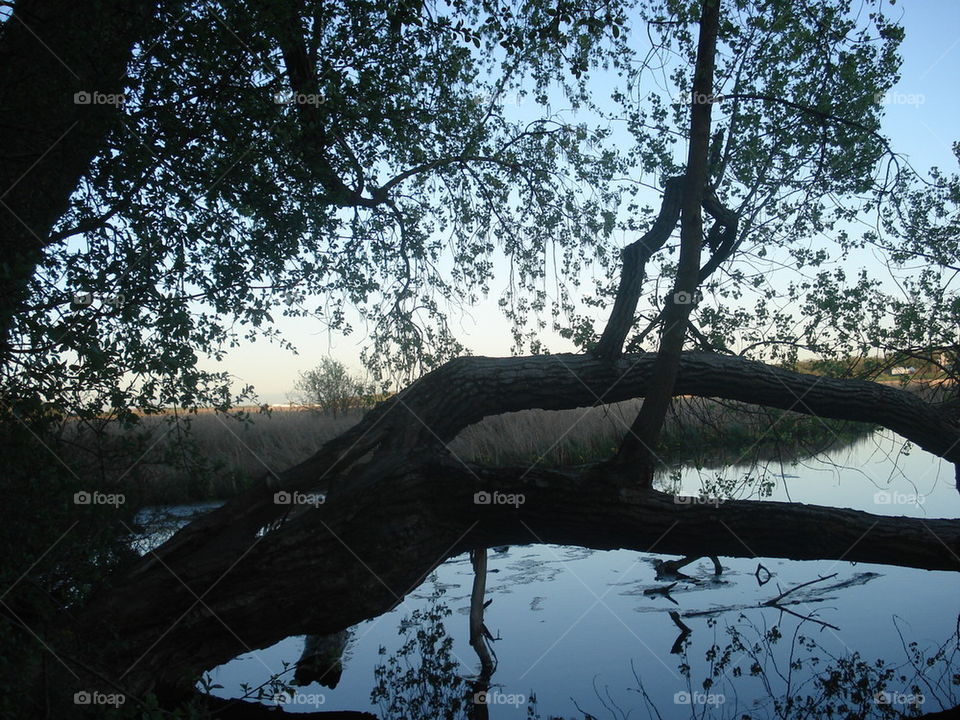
x=421 y=679
x=428 y=657
x=481 y=639
x=577 y=628
x=879 y=473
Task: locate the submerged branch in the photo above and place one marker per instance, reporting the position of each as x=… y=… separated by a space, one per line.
x=781 y=596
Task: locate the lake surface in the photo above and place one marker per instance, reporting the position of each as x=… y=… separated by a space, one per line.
x=581 y=631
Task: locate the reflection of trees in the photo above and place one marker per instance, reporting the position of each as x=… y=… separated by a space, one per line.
x=760 y=669
x=480 y=638
x=800 y=680
x=420 y=680
x=748 y=671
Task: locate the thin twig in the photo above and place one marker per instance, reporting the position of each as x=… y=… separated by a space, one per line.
x=782 y=595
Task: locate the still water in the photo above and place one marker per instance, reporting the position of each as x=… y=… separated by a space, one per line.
x=580 y=633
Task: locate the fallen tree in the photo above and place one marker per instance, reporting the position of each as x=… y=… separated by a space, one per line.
x=398 y=504
x=437 y=407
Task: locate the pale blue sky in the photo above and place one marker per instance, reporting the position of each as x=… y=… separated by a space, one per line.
x=920 y=120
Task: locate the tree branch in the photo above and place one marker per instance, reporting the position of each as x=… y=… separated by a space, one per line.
x=635 y=257
x=433 y=411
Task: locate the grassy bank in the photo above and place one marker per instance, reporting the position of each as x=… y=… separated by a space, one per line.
x=171 y=459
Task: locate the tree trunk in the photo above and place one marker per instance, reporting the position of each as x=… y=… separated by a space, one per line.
x=635 y=257
x=636 y=454
x=433 y=411
x=51 y=50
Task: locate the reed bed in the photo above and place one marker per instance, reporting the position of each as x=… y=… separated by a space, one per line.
x=172 y=458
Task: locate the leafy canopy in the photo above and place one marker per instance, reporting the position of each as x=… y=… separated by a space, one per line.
x=306 y=158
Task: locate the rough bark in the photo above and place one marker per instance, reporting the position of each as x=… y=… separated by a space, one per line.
x=723 y=237
x=437 y=407
x=49 y=51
